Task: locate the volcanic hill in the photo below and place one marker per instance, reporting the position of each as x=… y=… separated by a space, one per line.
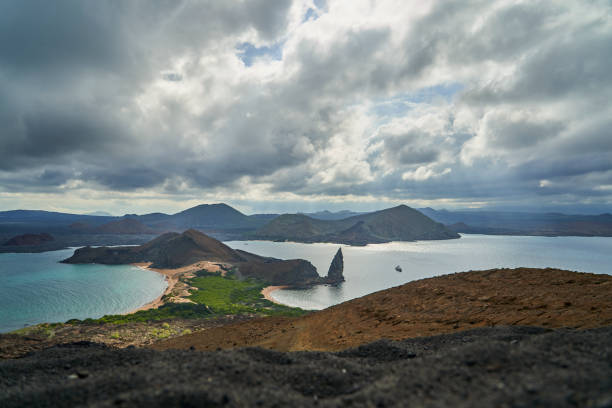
x=400 y=223
x=174 y=250
x=29 y=239
x=548 y=298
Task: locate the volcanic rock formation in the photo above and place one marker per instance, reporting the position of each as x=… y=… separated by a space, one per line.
x=174 y=250
x=334 y=274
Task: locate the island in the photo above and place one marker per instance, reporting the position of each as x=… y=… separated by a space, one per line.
x=180 y=250
x=400 y=223
x=29 y=239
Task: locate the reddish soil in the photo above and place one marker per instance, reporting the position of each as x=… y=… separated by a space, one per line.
x=548 y=298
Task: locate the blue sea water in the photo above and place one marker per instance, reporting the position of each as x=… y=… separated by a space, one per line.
x=372 y=268
x=36 y=288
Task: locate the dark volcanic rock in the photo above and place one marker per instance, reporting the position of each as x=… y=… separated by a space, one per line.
x=518 y=366
x=334 y=274
x=29 y=239
x=291 y=272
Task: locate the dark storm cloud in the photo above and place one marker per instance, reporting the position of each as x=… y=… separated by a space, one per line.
x=510 y=131
x=154 y=95
x=41 y=36
x=124 y=178
x=349 y=65
x=70 y=70
x=562 y=167
x=413 y=147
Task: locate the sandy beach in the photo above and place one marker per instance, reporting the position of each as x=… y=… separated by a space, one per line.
x=173 y=276
x=267 y=293
x=172 y=279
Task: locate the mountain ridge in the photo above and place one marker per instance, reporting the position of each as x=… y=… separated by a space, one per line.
x=400 y=223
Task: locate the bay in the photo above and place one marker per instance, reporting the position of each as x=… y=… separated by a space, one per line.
x=36 y=288
x=372 y=268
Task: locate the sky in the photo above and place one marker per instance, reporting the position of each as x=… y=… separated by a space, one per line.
x=301 y=105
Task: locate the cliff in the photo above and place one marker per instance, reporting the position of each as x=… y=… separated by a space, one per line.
x=336 y=269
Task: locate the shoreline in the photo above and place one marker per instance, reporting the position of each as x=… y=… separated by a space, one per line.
x=157 y=302
x=267 y=293
x=172 y=277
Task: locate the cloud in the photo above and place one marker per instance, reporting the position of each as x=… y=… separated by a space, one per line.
x=486 y=101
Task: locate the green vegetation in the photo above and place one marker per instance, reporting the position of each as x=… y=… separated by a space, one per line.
x=228 y=295
x=162 y=333
x=165 y=312
x=215 y=296
x=44 y=329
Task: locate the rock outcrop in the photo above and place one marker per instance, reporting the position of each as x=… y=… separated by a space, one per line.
x=336 y=269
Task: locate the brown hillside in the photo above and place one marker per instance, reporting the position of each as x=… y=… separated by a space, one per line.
x=528 y=297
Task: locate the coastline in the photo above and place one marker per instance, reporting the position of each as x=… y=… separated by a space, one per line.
x=267 y=293
x=172 y=277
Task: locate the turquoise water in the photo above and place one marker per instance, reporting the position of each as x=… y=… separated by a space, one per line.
x=35 y=288
x=372 y=268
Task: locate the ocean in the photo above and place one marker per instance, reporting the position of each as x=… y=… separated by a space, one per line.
x=36 y=288
x=372 y=268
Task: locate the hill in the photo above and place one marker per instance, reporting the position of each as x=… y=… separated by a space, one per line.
x=29 y=239
x=548 y=298
x=174 y=250
x=400 y=223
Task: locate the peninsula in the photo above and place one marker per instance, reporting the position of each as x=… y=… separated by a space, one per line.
x=173 y=250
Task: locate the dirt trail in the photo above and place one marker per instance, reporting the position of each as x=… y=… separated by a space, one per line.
x=548 y=298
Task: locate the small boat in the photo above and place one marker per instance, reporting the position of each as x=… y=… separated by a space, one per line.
x=398 y=268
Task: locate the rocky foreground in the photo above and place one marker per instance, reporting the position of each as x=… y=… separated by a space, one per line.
x=503 y=366
x=504 y=337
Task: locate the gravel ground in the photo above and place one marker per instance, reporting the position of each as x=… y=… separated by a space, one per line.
x=501 y=367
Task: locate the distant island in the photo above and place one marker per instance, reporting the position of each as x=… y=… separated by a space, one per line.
x=29 y=239
x=400 y=223
x=223 y=222
x=523 y=223
x=173 y=250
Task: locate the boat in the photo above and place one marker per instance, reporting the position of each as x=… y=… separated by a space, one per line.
x=398 y=268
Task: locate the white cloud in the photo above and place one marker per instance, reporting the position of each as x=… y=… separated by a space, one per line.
x=517 y=93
